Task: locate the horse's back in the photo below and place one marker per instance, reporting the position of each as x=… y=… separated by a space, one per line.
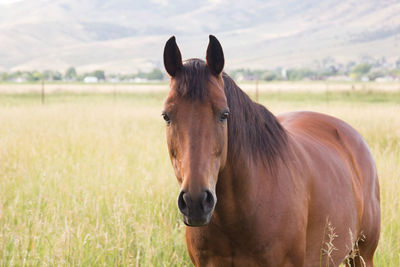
x=344 y=188
x=336 y=134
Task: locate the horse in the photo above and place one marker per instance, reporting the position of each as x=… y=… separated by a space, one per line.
x=298 y=189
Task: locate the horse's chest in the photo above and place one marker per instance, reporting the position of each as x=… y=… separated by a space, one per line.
x=263 y=244
x=231 y=257
x=217 y=249
x=237 y=260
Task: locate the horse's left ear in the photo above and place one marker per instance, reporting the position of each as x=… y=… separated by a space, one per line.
x=172 y=57
x=215 y=56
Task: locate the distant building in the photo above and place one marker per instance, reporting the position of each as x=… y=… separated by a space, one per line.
x=138 y=80
x=20 y=80
x=90 y=79
x=114 y=80
x=340 y=78
x=384 y=79
x=284 y=73
x=397 y=64
x=365 y=79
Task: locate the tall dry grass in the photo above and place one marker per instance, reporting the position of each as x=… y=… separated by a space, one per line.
x=86 y=180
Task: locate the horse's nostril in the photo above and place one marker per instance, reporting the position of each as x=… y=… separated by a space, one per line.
x=207 y=201
x=201 y=206
x=182 y=203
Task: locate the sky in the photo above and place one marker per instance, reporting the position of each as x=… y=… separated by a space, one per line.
x=2 y=2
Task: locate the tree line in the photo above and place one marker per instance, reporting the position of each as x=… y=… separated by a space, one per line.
x=352 y=71
x=357 y=72
x=71 y=75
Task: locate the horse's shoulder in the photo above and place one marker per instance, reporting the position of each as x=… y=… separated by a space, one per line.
x=299 y=117
x=317 y=123
x=320 y=129
x=324 y=130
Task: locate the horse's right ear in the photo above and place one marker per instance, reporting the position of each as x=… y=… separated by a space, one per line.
x=215 y=56
x=172 y=57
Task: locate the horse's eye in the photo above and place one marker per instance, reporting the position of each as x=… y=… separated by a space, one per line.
x=224 y=115
x=166 y=118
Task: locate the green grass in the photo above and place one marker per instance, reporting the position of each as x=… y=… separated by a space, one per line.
x=85 y=179
x=156 y=98
x=153 y=82
x=34 y=99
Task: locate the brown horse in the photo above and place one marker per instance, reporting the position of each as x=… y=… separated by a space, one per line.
x=299 y=189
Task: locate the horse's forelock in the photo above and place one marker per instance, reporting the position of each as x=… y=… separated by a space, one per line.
x=192 y=80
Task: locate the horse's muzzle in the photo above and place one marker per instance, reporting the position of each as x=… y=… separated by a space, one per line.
x=196 y=210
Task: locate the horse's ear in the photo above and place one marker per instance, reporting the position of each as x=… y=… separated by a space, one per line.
x=215 y=56
x=172 y=57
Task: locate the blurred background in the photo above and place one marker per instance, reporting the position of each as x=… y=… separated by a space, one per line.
x=123 y=40
x=85 y=177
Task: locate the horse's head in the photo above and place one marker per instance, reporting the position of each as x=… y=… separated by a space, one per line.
x=196 y=112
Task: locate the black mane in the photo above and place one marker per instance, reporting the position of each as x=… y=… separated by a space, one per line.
x=192 y=79
x=252 y=129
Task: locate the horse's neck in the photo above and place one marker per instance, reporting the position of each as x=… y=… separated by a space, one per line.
x=248 y=172
x=238 y=190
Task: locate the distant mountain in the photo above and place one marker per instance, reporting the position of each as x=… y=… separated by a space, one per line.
x=124 y=36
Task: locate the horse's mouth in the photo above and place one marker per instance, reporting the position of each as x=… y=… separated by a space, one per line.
x=197 y=221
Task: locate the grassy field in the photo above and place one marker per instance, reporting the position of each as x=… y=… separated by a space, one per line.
x=85 y=179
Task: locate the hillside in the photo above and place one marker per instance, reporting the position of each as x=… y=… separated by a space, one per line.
x=124 y=35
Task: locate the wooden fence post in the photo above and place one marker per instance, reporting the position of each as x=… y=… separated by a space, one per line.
x=257 y=90
x=114 y=92
x=43 y=93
